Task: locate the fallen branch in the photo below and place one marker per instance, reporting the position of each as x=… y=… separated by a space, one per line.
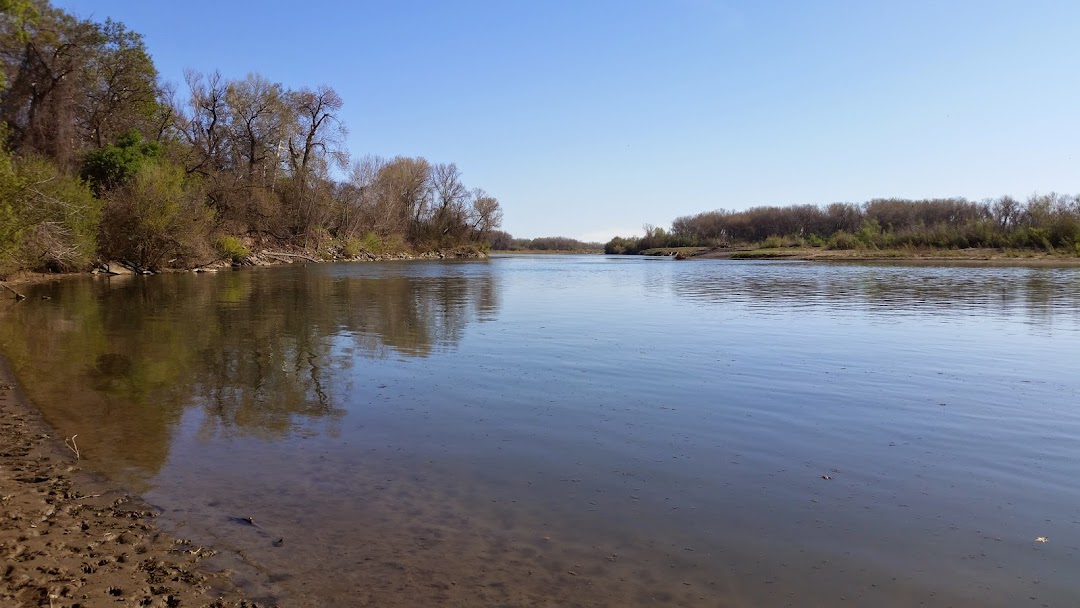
x=133 y=267
x=292 y=255
x=72 y=446
x=18 y=296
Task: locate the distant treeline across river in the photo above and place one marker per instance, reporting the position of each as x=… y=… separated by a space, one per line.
x=1049 y=222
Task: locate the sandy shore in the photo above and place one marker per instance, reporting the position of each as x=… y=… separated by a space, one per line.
x=68 y=539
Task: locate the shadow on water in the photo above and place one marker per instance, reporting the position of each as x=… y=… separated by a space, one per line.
x=254 y=349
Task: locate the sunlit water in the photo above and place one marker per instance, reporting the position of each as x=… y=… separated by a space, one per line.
x=587 y=431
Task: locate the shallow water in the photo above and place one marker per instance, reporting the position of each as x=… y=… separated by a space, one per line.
x=586 y=430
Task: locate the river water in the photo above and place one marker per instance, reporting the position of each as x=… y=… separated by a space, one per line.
x=587 y=430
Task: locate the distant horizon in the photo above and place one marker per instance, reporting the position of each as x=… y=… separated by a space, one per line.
x=589 y=121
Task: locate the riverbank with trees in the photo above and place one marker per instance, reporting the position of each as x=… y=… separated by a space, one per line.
x=1039 y=226
x=102 y=161
x=504 y=242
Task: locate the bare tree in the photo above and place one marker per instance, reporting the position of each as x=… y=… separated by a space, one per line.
x=485 y=214
x=358 y=200
x=448 y=214
x=1006 y=211
x=258 y=118
x=404 y=187
x=205 y=124
x=318 y=133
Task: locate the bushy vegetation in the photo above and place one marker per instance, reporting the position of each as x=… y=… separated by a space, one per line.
x=654 y=238
x=503 y=241
x=233 y=249
x=157 y=219
x=48 y=220
x=99 y=158
x=1048 y=222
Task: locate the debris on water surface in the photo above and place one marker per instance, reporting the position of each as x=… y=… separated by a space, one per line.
x=1041 y=539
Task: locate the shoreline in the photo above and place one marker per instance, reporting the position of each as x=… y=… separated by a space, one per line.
x=71 y=538
x=988 y=257
x=261 y=258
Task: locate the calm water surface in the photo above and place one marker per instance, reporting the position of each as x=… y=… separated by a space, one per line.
x=587 y=431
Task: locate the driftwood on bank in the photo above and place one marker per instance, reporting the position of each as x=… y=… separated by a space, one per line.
x=215 y=262
x=290 y=255
x=18 y=296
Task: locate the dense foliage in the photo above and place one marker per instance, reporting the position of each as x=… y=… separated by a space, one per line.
x=100 y=158
x=1046 y=222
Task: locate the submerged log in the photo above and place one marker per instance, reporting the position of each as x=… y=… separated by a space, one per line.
x=18 y=296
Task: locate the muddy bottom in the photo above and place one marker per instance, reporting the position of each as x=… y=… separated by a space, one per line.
x=388 y=526
x=67 y=539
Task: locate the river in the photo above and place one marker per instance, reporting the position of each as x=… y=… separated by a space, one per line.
x=586 y=430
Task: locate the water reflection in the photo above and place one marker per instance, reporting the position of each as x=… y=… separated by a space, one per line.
x=891 y=290
x=622 y=433
x=257 y=350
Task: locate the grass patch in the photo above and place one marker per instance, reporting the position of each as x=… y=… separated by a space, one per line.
x=232 y=248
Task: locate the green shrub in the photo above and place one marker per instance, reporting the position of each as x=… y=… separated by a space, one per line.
x=371 y=243
x=619 y=246
x=232 y=248
x=843 y=240
x=1028 y=236
x=779 y=242
x=351 y=247
x=870 y=233
x=48 y=220
x=115 y=165
x=772 y=242
x=159 y=218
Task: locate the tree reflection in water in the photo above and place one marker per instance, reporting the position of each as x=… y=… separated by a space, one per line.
x=120 y=360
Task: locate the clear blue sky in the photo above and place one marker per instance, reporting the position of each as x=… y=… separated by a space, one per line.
x=590 y=118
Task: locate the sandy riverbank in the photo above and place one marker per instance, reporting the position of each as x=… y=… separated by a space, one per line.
x=68 y=539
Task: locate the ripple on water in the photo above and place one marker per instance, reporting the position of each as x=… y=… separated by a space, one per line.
x=587 y=431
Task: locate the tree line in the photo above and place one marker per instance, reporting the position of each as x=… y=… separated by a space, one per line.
x=500 y=240
x=100 y=157
x=1049 y=222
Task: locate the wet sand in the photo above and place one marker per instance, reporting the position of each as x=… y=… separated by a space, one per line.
x=68 y=539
